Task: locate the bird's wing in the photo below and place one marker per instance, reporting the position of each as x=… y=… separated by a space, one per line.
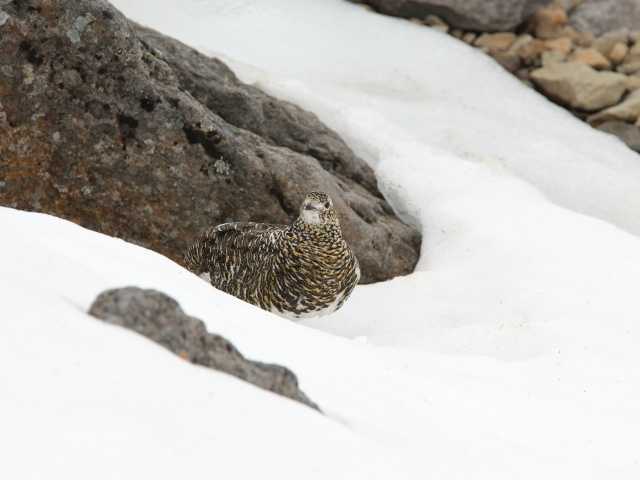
x=231 y=245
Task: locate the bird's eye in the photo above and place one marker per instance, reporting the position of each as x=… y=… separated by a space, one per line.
x=308 y=206
x=327 y=205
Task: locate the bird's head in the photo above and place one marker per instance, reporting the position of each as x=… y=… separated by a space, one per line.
x=317 y=209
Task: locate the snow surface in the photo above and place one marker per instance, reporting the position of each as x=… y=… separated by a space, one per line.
x=512 y=352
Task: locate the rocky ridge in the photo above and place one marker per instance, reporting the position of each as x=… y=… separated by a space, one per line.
x=596 y=76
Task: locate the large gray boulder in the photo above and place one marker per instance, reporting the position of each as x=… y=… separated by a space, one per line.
x=135 y=135
x=601 y=16
x=160 y=318
x=479 y=15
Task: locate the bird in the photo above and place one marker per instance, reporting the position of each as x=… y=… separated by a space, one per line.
x=297 y=271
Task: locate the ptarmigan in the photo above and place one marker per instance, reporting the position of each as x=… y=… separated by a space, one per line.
x=301 y=270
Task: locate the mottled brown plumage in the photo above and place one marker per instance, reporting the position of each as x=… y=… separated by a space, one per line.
x=300 y=270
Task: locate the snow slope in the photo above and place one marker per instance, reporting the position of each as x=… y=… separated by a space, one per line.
x=512 y=352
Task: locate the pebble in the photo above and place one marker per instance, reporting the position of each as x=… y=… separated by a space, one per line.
x=562 y=44
x=618 y=53
x=633 y=83
x=496 y=41
x=591 y=57
x=552 y=56
x=531 y=50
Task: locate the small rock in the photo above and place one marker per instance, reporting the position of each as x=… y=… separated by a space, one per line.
x=618 y=53
x=552 y=56
x=555 y=16
x=456 y=33
x=417 y=21
x=626 y=111
x=469 y=37
x=591 y=57
x=433 y=20
x=531 y=50
x=562 y=44
x=634 y=37
x=629 y=134
x=520 y=41
x=510 y=61
x=369 y=8
x=440 y=28
x=548 y=30
x=605 y=43
x=584 y=39
x=633 y=83
x=579 y=86
x=571 y=33
x=523 y=75
x=160 y=318
x=629 y=67
x=635 y=49
x=563 y=4
x=548 y=23
x=496 y=41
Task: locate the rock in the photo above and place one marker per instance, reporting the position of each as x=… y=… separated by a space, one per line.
x=440 y=28
x=626 y=111
x=531 y=50
x=591 y=57
x=469 y=37
x=584 y=39
x=631 y=61
x=629 y=67
x=368 y=8
x=477 y=15
x=601 y=16
x=549 y=30
x=522 y=39
x=579 y=86
x=605 y=43
x=496 y=41
x=633 y=83
x=634 y=37
x=548 y=23
x=562 y=44
x=570 y=33
x=510 y=61
x=629 y=134
x=618 y=53
x=128 y=133
x=635 y=49
x=160 y=318
x=435 y=21
x=555 y=16
x=532 y=7
x=552 y=56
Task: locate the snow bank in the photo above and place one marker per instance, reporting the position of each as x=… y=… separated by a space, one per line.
x=512 y=352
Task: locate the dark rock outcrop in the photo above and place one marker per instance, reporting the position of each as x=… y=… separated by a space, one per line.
x=476 y=15
x=137 y=136
x=160 y=318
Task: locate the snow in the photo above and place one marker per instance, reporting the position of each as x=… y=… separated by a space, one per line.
x=511 y=352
